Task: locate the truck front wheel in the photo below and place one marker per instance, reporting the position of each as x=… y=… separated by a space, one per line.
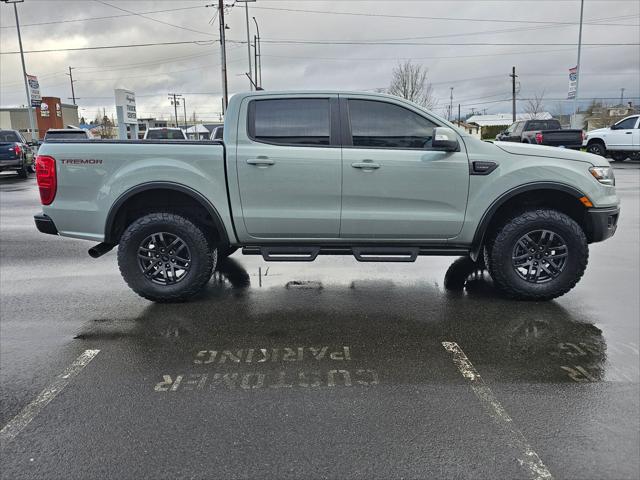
x=597 y=148
x=165 y=257
x=537 y=255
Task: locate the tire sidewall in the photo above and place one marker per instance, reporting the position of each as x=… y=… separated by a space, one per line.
x=596 y=149
x=201 y=256
x=502 y=252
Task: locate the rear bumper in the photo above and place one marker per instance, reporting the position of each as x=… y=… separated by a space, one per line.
x=602 y=223
x=45 y=225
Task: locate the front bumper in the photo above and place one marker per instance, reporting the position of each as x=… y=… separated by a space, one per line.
x=45 y=225
x=602 y=223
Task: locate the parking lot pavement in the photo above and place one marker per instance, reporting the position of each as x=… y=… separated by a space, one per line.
x=327 y=370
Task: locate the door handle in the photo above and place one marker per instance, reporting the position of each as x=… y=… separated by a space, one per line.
x=260 y=161
x=628 y=133
x=366 y=165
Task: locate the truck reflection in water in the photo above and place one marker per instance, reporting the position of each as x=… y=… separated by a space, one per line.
x=393 y=330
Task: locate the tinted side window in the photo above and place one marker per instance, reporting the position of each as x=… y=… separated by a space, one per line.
x=625 y=124
x=518 y=128
x=380 y=124
x=293 y=121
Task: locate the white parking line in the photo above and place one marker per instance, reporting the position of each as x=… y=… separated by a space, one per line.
x=528 y=458
x=28 y=413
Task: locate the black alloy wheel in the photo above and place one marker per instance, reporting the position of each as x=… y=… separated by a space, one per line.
x=164 y=258
x=539 y=256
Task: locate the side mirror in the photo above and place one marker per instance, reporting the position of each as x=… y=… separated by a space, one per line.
x=445 y=140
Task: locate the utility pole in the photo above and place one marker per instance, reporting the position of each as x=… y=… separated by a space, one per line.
x=223 y=55
x=622 y=96
x=32 y=123
x=259 y=56
x=458 y=114
x=175 y=101
x=513 y=92
x=246 y=15
x=450 y=105
x=255 y=59
x=184 y=104
x=73 y=94
x=575 y=98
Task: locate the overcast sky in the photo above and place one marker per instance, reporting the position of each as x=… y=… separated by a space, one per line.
x=342 y=57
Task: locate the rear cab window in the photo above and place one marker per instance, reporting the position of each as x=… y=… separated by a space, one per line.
x=165 y=134
x=290 y=121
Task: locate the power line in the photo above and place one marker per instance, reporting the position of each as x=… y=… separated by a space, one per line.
x=107 y=47
x=152 y=19
x=469 y=44
x=101 y=18
x=420 y=17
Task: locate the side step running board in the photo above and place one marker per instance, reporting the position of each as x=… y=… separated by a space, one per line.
x=386 y=254
x=289 y=254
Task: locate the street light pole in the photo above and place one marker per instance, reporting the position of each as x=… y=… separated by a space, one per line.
x=575 y=98
x=259 y=56
x=32 y=124
x=223 y=54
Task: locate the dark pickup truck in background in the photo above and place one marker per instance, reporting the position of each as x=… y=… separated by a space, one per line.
x=542 y=132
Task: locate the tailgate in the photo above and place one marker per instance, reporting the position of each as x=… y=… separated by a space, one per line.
x=5 y=153
x=559 y=138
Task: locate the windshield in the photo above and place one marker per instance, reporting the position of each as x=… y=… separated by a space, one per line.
x=9 y=136
x=165 y=134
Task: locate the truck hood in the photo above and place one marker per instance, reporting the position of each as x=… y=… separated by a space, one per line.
x=598 y=131
x=551 y=152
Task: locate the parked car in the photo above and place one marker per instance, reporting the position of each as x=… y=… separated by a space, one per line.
x=67 y=134
x=15 y=153
x=164 y=133
x=621 y=140
x=308 y=174
x=542 y=132
x=217 y=133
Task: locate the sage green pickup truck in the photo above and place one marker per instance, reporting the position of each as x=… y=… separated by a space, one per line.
x=302 y=174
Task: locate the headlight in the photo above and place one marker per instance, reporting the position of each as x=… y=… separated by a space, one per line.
x=604 y=175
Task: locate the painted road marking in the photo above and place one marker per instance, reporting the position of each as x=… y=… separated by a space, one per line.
x=28 y=413
x=528 y=457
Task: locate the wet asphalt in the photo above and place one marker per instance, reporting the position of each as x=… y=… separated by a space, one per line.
x=332 y=369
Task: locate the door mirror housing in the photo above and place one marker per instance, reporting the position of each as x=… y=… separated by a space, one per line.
x=445 y=140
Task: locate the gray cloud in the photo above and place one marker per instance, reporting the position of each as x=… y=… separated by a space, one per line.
x=479 y=74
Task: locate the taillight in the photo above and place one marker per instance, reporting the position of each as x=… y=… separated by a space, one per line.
x=46 y=177
x=17 y=150
x=584 y=135
x=538 y=138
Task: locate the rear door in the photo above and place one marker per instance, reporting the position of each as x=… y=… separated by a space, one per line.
x=394 y=185
x=289 y=167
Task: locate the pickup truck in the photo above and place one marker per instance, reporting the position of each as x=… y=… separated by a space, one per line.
x=302 y=174
x=620 y=140
x=542 y=132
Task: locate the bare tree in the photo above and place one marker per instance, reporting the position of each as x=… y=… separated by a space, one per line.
x=535 y=105
x=410 y=81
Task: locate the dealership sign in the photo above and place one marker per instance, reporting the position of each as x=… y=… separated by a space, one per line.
x=573 y=81
x=126 y=100
x=34 y=90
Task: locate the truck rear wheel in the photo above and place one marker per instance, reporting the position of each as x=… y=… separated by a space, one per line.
x=597 y=148
x=537 y=255
x=165 y=257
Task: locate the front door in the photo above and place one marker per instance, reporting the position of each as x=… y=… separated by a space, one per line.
x=289 y=168
x=621 y=136
x=394 y=185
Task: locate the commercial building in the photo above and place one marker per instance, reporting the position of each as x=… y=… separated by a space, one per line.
x=52 y=113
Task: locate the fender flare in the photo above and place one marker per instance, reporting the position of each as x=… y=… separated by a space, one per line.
x=487 y=216
x=198 y=197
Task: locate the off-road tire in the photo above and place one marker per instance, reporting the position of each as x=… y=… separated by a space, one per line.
x=203 y=260
x=597 y=148
x=23 y=172
x=500 y=247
